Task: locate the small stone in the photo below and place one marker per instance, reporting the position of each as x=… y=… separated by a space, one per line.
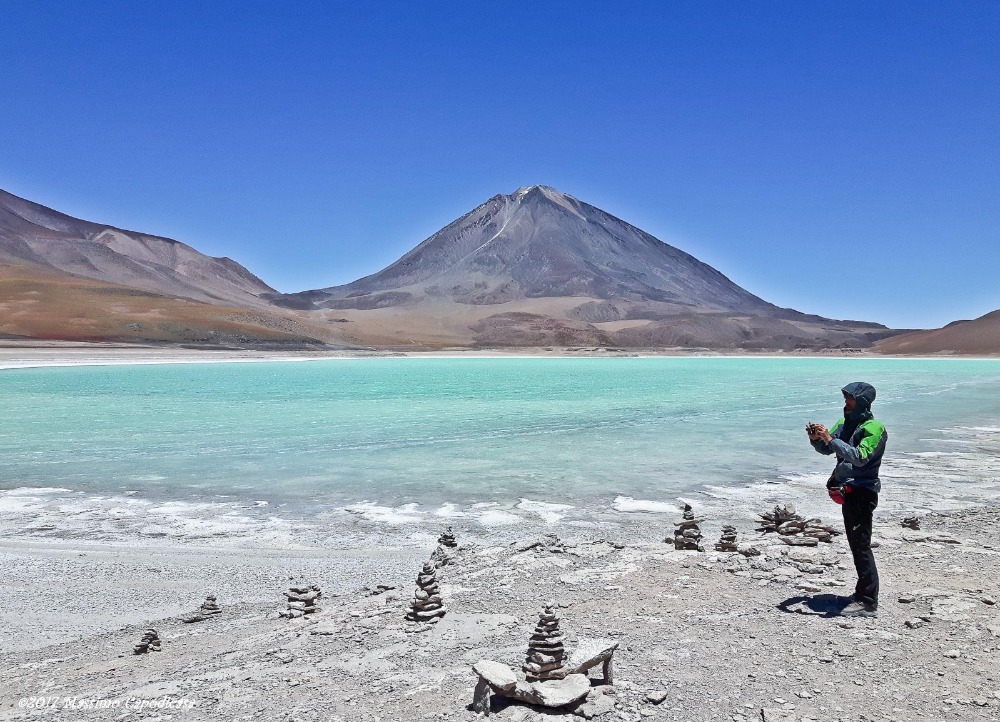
x=952 y=654
x=907 y=599
x=656 y=696
x=595 y=707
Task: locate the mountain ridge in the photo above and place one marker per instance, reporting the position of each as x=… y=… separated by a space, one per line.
x=41 y=236
x=536 y=267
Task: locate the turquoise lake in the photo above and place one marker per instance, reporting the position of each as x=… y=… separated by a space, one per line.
x=548 y=439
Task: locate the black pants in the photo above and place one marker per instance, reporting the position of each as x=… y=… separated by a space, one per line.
x=859 y=504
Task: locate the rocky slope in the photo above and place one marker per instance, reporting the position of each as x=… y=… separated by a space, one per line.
x=45 y=304
x=38 y=237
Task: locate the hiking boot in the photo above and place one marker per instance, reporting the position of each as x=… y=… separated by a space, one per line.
x=859 y=609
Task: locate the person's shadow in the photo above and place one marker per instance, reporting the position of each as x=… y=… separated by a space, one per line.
x=819 y=605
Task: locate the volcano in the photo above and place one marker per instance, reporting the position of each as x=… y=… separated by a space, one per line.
x=540 y=267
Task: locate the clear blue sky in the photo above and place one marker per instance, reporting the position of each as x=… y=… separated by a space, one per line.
x=842 y=158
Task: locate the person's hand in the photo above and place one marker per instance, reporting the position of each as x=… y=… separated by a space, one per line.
x=822 y=433
x=811 y=431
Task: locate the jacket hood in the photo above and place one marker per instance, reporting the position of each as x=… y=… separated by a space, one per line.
x=863 y=393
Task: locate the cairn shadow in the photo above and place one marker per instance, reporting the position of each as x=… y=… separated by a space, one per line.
x=819 y=605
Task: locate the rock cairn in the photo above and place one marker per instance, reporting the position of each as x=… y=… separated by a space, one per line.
x=912 y=522
x=794 y=529
x=687 y=535
x=546 y=658
x=427 y=605
x=727 y=542
x=150 y=642
x=442 y=554
x=301 y=601
x=206 y=610
x=440 y=557
x=447 y=539
x=209 y=606
x=549 y=543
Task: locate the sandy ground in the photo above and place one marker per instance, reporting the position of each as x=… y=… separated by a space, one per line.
x=702 y=636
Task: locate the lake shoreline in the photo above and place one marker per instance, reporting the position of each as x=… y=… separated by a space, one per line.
x=16 y=354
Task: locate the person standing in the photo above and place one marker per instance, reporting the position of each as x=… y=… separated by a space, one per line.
x=858 y=440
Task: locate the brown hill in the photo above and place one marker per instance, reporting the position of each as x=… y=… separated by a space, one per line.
x=977 y=337
x=38 y=237
x=46 y=304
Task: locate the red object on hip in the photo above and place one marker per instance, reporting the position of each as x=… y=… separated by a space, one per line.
x=836 y=495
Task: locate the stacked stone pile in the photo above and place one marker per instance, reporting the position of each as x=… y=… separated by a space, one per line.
x=443 y=553
x=687 y=535
x=447 y=539
x=794 y=529
x=427 y=605
x=912 y=522
x=440 y=557
x=782 y=514
x=150 y=642
x=209 y=606
x=546 y=658
x=727 y=542
x=206 y=610
x=301 y=601
x=549 y=543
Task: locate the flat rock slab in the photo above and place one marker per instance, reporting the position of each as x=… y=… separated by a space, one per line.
x=554 y=693
x=589 y=652
x=499 y=675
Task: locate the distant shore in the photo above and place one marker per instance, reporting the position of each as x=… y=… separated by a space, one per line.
x=20 y=354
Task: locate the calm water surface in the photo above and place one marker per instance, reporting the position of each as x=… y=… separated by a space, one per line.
x=467 y=431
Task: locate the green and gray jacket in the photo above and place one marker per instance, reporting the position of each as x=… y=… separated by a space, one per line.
x=859 y=453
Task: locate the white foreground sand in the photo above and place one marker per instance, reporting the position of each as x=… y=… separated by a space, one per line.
x=712 y=636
